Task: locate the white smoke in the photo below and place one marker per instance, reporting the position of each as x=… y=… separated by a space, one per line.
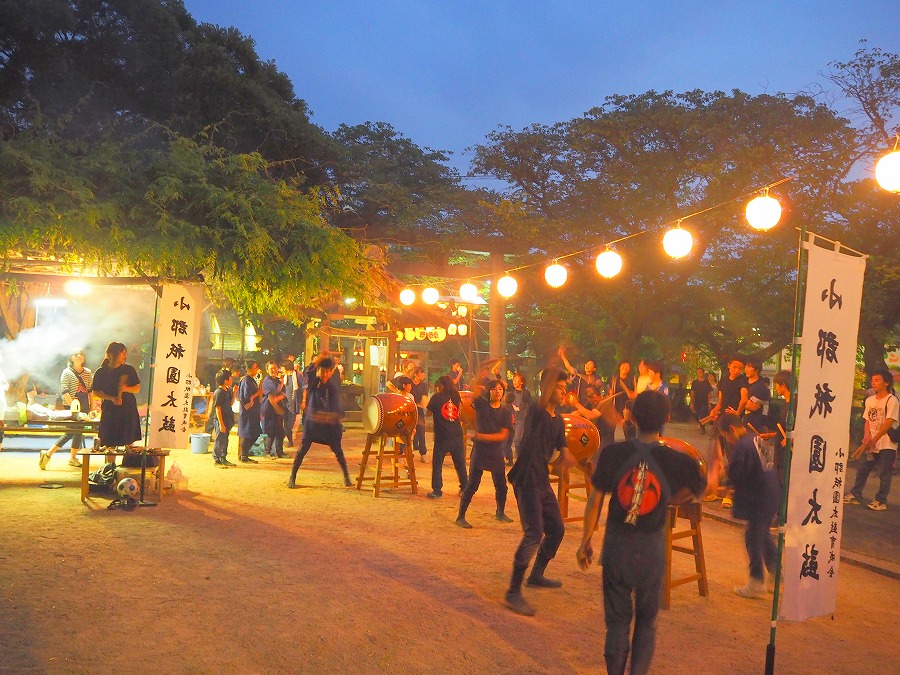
x=108 y=314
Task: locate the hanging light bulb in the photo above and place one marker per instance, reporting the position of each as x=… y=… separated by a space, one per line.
x=407 y=296
x=556 y=274
x=430 y=295
x=887 y=170
x=677 y=242
x=507 y=286
x=468 y=292
x=764 y=212
x=609 y=263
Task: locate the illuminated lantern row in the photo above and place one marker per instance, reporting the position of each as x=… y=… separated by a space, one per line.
x=763 y=213
x=431 y=333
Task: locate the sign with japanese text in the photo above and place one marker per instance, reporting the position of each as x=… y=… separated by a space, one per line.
x=821 y=439
x=175 y=363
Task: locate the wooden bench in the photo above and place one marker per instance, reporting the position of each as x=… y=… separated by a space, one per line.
x=110 y=455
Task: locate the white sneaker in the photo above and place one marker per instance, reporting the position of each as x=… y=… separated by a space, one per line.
x=752 y=589
x=74 y=462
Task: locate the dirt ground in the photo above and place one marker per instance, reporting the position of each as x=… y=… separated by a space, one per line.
x=236 y=573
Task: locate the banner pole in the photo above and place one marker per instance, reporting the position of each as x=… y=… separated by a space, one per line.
x=800 y=294
x=158 y=290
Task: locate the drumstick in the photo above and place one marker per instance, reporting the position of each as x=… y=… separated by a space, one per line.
x=753 y=429
x=781 y=429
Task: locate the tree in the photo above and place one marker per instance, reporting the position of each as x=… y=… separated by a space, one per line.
x=131 y=136
x=638 y=162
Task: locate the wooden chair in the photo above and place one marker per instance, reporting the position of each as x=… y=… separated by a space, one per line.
x=566 y=489
x=693 y=514
x=393 y=453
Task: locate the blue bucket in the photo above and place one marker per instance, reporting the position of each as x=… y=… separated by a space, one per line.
x=200 y=444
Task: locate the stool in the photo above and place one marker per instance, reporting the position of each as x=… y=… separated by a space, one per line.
x=392 y=453
x=565 y=488
x=692 y=513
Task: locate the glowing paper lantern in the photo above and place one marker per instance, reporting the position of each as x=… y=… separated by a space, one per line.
x=887 y=171
x=430 y=295
x=461 y=310
x=462 y=329
x=407 y=296
x=77 y=287
x=507 y=286
x=677 y=242
x=451 y=329
x=468 y=292
x=609 y=263
x=556 y=275
x=763 y=213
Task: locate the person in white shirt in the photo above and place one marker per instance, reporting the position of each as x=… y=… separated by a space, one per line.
x=882 y=414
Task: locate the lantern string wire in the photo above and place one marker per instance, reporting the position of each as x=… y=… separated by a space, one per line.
x=656 y=228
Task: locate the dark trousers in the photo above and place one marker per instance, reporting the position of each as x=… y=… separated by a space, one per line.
x=275 y=445
x=633 y=563
x=289 y=417
x=419 y=437
x=244 y=446
x=334 y=444
x=760 y=545
x=883 y=462
x=457 y=453
x=74 y=436
x=220 y=445
x=480 y=463
x=542 y=523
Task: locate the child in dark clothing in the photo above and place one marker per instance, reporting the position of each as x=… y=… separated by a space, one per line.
x=757 y=496
x=224 y=416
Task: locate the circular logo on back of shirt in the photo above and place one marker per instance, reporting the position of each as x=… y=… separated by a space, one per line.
x=450 y=411
x=652 y=491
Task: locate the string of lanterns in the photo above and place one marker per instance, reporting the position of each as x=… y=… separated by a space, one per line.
x=762 y=213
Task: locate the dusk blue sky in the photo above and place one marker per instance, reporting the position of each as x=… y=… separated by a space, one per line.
x=445 y=73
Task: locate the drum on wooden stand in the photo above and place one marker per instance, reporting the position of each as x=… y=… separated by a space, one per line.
x=389 y=415
x=689 y=450
x=467 y=410
x=582 y=437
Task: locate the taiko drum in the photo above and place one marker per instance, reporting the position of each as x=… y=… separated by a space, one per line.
x=687 y=449
x=582 y=437
x=389 y=415
x=467 y=410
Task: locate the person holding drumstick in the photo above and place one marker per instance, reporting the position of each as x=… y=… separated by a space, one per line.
x=543 y=443
x=324 y=412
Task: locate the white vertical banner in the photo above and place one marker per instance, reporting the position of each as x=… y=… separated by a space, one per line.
x=821 y=439
x=175 y=364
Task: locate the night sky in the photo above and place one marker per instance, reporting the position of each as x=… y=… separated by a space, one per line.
x=447 y=73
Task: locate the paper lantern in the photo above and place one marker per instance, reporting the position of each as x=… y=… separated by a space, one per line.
x=763 y=213
x=407 y=296
x=462 y=329
x=556 y=275
x=887 y=171
x=77 y=287
x=468 y=292
x=609 y=263
x=451 y=329
x=677 y=242
x=507 y=286
x=430 y=295
x=462 y=310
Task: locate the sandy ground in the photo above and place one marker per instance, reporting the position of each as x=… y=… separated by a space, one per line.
x=238 y=574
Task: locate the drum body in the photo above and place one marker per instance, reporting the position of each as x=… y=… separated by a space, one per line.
x=390 y=415
x=693 y=453
x=467 y=410
x=582 y=437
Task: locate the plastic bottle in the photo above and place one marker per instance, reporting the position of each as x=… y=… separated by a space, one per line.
x=75 y=406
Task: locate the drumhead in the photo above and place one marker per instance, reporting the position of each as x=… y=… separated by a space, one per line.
x=372 y=415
